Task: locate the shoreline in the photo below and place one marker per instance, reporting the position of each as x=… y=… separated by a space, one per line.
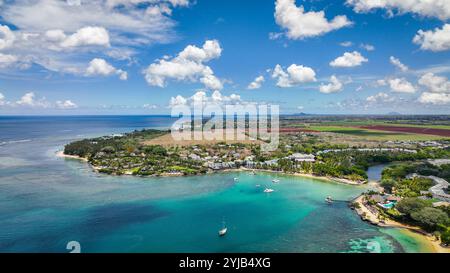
x=61 y=154
x=426 y=238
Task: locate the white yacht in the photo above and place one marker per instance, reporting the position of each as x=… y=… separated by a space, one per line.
x=224 y=230
x=267 y=190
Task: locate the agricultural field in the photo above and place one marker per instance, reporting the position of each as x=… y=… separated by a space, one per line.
x=376 y=130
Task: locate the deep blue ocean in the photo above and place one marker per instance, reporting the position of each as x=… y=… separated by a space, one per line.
x=47 y=201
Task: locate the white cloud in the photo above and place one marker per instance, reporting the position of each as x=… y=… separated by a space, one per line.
x=210 y=50
x=28 y=100
x=334 y=86
x=150 y=106
x=300 y=24
x=34 y=16
x=200 y=97
x=2 y=99
x=435 y=84
x=401 y=85
x=380 y=82
x=428 y=8
x=294 y=75
x=188 y=65
x=397 y=63
x=275 y=35
x=101 y=67
x=434 y=98
x=349 y=59
x=212 y=82
x=437 y=40
x=256 y=84
x=7 y=60
x=379 y=98
x=7 y=37
x=86 y=36
x=67 y=104
x=368 y=47
x=346 y=44
x=55 y=35
x=49 y=33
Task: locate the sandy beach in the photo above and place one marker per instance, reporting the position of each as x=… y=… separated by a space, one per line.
x=62 y=155
x=428 y=239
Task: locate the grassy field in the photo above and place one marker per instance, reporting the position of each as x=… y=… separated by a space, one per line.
x=373 y=134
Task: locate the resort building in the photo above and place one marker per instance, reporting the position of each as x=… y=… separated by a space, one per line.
x=298 y=157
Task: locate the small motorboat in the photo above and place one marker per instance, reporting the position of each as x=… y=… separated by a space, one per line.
x=258 y=185
x=329 y=200
x=235 y=179
x=267 y=190
x=276 y=181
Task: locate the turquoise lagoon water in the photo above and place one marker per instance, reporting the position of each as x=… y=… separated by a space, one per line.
x=46 y=201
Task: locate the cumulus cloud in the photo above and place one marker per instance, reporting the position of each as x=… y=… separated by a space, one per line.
x=86 y=36
x=102 y=68
x=2 y=99
x=294 y=75
x=188 y=65
x=397 y=63
x=401 y=85
x=300 y=24
x=256 y=83
x=29 y=100
x=379 y=98
x=434 y=40
x=381 y=82
x=434 y=83
x=67 y=104
x=434 y=98
x=200 y=97
x=434 y=8
x=349 y=59
x=335 y=85
x=7 y=37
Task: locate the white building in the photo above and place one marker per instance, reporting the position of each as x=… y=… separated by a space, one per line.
x=299 y=157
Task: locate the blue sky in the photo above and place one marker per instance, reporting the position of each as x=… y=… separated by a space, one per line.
x=120 y=56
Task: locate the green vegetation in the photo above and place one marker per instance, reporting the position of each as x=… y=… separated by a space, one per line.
x=420 y=212
x=126 y=155
x=394 y=179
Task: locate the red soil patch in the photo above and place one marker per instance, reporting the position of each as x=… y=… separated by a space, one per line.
x=413 y=130
x=295 y=130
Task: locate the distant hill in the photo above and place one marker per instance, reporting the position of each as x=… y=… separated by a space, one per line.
x=394 y=114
